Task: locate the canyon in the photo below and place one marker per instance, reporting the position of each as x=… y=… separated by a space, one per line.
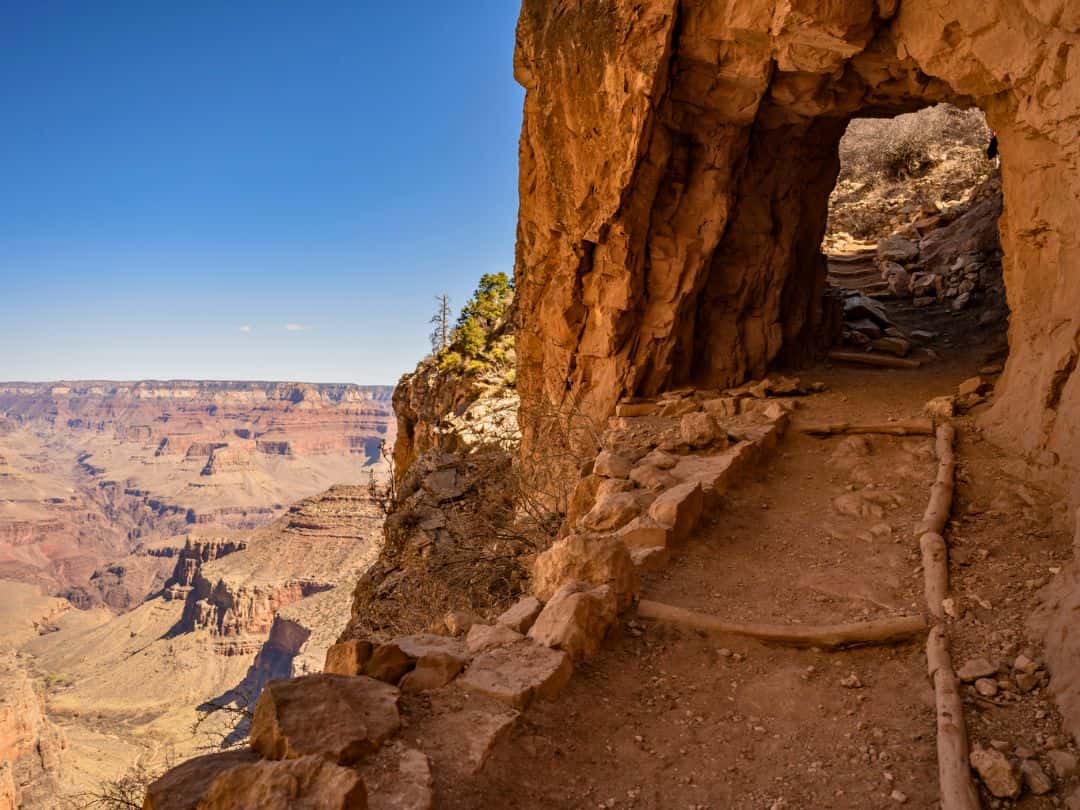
x=165 y=544
x=100 y=482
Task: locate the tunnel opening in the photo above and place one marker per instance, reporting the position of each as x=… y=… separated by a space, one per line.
x=912 y=244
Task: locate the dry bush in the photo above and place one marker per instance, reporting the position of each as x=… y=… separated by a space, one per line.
x=893 y=168
x=479 y=556
x=879 y=150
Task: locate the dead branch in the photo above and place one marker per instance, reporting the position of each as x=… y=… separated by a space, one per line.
x=829 y=637
x=911 y=427
x=954 y=770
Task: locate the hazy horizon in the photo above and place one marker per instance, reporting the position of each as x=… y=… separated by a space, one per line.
x=207 y=192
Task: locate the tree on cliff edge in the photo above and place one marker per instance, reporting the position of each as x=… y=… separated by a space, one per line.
x=440 y=336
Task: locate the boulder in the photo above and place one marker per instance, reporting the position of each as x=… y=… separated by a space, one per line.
x=611 y=511
x=485 y=636
x=897 y=249
x=388 y=663
x=576 y=619
x=522 y=614
x=612 y=465
x=182 y=787
x=432 y=672
x=643 y=532
x=678 y=509
x=699 y=429
x=975 y=668
x=598 y=560
x=997 y=772
x=436 y=660
x=518 y=674
x=722 y=407
x=348 y=657
x=334 y=716
x=306 y=783
x=651 y=477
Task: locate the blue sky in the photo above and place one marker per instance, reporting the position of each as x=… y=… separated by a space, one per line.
x=181 y=181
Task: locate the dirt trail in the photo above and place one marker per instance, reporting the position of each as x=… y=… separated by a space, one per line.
x=824 y=533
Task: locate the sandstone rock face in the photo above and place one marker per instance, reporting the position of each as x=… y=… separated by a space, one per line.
x=30 y=745
x=330 y=715
x=676 y=238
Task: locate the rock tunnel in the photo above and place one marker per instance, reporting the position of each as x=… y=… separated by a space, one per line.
x=676 y=160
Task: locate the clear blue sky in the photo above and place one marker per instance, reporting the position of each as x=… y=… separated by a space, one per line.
x=182 y=180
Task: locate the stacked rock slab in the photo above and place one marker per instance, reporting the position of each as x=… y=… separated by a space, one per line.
x=675 y=238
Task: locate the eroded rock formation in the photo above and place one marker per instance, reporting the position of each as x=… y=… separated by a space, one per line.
x=30 y=745
x=676 y=159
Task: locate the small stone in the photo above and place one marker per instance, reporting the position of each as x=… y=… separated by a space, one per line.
x=851 y=682
x=976 y=668
x=458 y=622
x=898 y=796
x=986 y=687
x=1062 y=762
x=1026 y=681
x=1036 y=779
x=941 y=407
x=1025 y=664
x=1000 y=776
x=972 y=385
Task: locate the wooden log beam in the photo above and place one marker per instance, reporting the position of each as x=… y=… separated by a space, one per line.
x=954 y=771
x=909 y=427
x=941 y=492
x=827 y=637
x=870 y=359
x=935 y=560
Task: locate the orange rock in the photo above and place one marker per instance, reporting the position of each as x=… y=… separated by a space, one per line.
x=333 y=716
x=348 y=657
x=517 y=674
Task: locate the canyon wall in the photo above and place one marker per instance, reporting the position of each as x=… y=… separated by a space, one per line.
x=99 y=480
x=30 y=745
x=675 y=163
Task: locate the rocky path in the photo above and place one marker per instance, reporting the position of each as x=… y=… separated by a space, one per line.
x=667 y=718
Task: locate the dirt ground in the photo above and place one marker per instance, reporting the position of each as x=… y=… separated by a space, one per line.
x=823 y=533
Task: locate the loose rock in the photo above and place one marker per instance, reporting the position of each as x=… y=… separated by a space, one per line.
x=334 y=716
x=1000 y=776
